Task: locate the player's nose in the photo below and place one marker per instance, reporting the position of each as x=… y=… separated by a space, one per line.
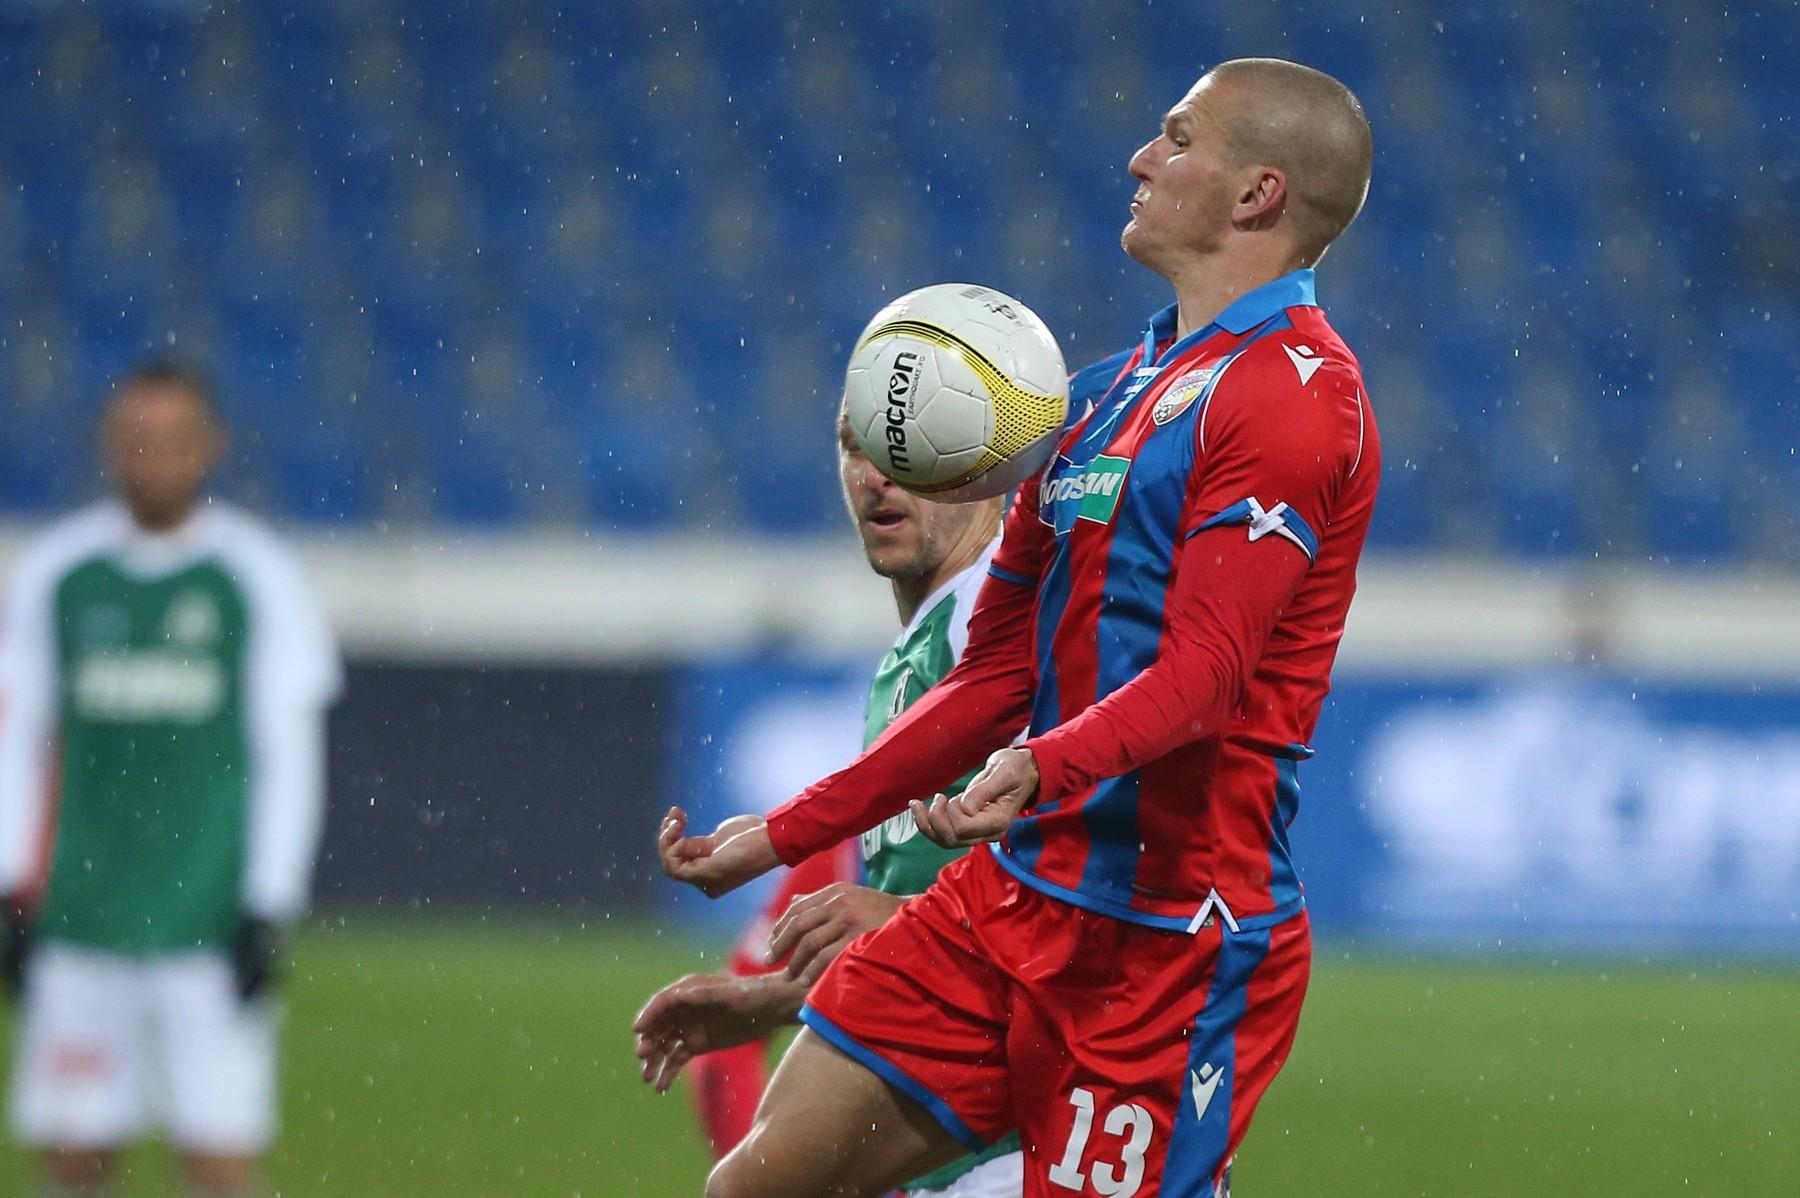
x=871 y=479
x=1144 y=160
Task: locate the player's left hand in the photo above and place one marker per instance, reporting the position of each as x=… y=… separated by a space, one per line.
x=736 y=852
x=817 y=927
x=986 y=808
x=705 y=1012
x=255 y=957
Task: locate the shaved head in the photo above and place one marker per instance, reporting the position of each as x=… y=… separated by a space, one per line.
x=1305 y=123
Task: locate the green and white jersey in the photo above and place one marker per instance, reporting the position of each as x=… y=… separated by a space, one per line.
x=896 y=858
x=162 y=729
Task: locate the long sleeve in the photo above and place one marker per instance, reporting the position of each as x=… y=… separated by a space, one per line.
x=979 y=707
x=1223 y=604
x=293 y=675
x=27 y=728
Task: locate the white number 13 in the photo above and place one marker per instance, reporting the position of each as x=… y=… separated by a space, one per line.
x=1130 y=1120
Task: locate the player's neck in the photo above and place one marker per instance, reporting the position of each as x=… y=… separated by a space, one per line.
x=1207 y=286
x=161 y=520
x=162 y=524
x=910 y=594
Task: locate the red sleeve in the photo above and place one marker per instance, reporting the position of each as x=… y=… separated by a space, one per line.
x=978 y=707
x=1270 y=464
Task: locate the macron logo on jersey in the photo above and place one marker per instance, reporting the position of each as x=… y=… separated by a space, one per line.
x=1305 y=360
x=1203 y=1081
x=1281 y=520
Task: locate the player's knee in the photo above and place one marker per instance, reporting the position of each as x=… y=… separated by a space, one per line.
x=743 y=1175
x=728 y=1180
x=219 y=1176
x=80 y=1172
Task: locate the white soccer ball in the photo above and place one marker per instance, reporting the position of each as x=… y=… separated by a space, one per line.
x=956 y=392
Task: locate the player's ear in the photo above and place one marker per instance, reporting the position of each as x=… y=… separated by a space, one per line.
x=1262 y=199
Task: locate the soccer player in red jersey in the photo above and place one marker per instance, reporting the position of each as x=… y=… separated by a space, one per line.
x=1119 y=974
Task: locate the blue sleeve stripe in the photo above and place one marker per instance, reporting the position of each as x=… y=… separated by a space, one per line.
x=1010 y=576
x=1237 y=513
x=1309 y=540
x=1288 y=524
x=893 y=1075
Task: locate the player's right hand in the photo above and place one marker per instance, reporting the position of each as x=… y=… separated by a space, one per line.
x=706 y=1012
x=987 y=806
x=737 y=851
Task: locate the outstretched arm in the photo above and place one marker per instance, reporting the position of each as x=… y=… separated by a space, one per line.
x=980 y=705
x=707 y=1012
x=1222 y=608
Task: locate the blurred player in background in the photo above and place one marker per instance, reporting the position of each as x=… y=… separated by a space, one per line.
x=936 y=556
x=1119 y=974
x=164 y=673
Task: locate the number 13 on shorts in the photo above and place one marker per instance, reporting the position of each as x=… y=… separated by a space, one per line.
x=1131 y=1122
x=1116 y=1147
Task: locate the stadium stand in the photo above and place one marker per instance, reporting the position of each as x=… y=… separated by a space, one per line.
x=507 y=266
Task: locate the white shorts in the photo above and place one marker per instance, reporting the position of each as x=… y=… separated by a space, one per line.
x=111 y=1048
x=1002 y=1177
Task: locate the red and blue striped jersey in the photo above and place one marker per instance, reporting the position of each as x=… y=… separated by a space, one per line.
x=1163 y=614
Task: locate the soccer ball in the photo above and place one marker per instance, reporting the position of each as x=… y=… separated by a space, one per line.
x=956 y=392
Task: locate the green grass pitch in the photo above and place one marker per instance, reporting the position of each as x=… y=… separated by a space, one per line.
x=443 y=1060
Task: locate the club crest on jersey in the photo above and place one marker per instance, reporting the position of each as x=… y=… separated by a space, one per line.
x=1091 y=492
x=1181 y=393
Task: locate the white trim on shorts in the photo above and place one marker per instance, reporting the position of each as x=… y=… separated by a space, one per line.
x=1002 y=1177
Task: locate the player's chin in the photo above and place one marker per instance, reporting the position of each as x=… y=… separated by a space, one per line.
x=1132 y=239
x=893 y=555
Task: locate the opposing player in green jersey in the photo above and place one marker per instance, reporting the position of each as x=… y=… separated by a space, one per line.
x=164 y=673
x=936 y=557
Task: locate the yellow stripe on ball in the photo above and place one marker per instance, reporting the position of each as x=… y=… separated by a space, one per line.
x=1020 y=416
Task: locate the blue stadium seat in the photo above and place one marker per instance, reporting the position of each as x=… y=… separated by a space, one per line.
x=1695 y=464
x=415 y=173
x=635 y=475
x=474 y=477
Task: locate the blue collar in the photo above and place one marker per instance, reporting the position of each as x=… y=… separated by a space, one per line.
x=1291 y=290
